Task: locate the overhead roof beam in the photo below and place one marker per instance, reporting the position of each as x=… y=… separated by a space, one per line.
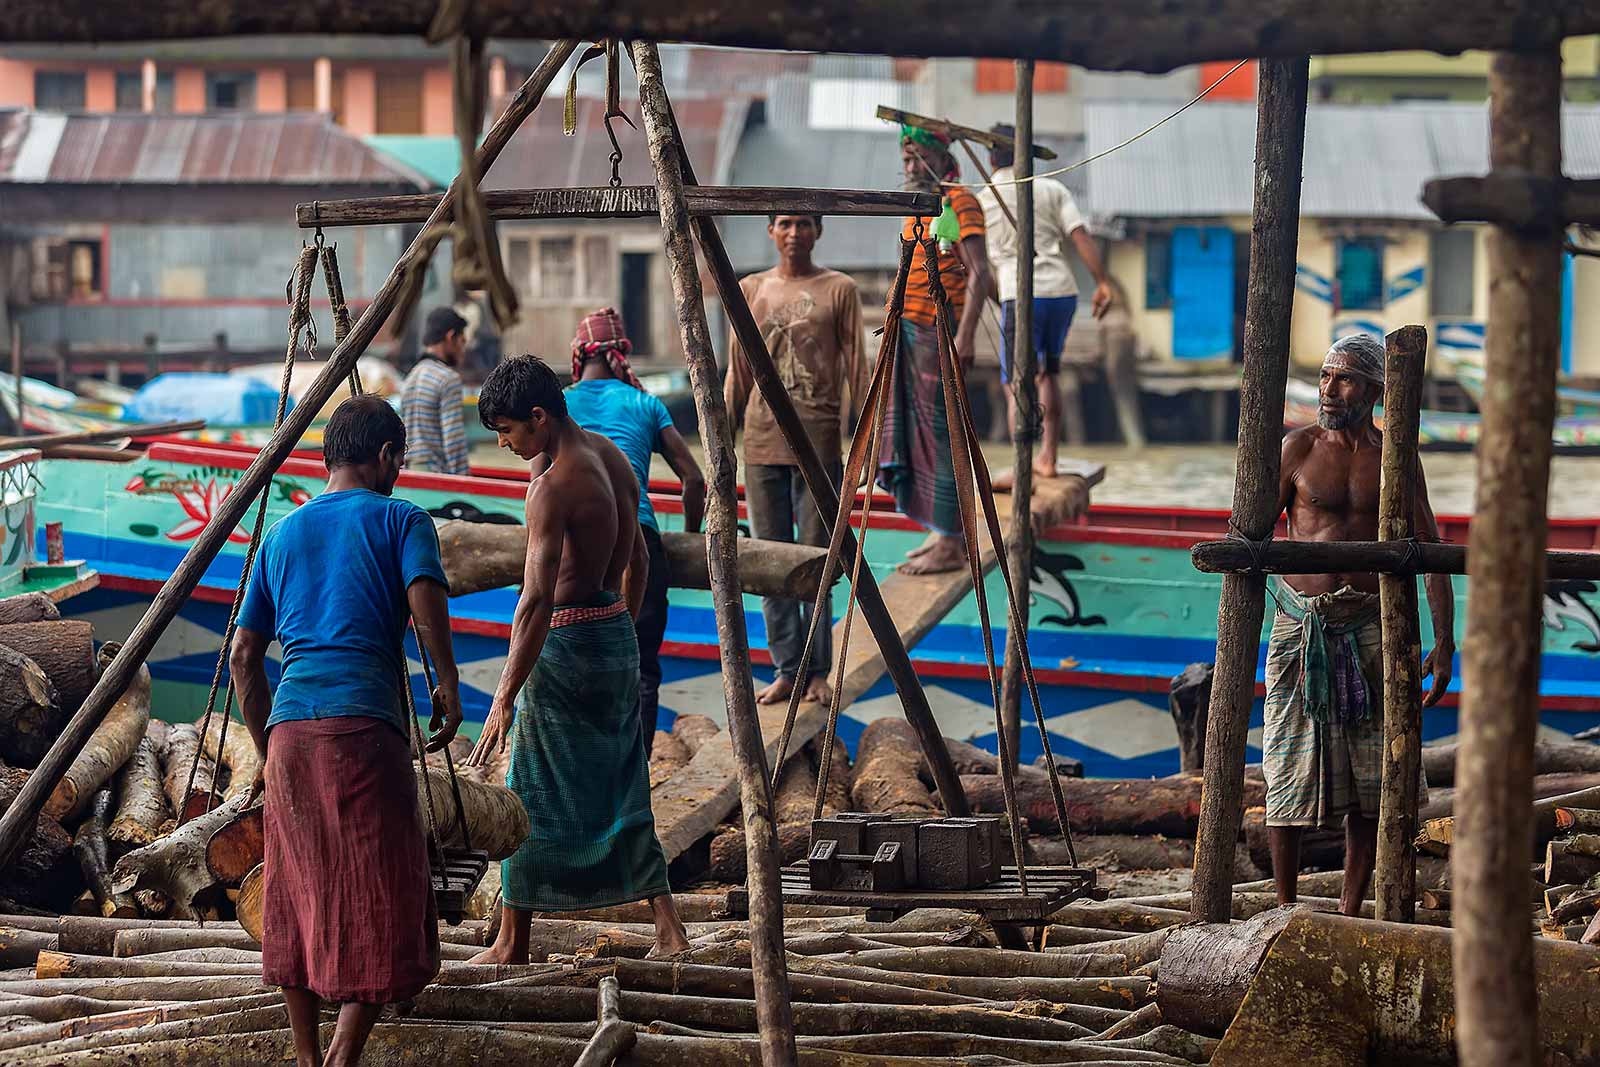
x=1134 y=35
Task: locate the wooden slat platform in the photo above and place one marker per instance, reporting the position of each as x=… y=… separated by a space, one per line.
x=1003 y=902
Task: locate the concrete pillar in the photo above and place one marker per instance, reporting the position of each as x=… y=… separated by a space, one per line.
x=322 y=77
x=147 y=86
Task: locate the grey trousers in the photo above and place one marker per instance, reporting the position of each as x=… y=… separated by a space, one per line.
x=779 y=502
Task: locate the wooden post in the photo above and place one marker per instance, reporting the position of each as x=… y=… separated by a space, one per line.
x=1025 y=406
x=1496 y=1001
x=16 y=372
x=1274 y=236
x=19 y=817
x=775 y=1019
x=1395 y=878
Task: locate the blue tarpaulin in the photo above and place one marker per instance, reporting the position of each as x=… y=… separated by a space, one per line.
x=220 y=399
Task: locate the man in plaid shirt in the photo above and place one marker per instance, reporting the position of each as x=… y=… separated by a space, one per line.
x=430 y=401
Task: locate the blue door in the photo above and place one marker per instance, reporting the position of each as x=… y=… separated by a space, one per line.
x=1202 y=292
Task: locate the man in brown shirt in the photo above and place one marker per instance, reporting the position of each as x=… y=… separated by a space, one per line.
x=810 y=318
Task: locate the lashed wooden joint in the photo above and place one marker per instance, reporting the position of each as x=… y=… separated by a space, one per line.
x=1522 y=201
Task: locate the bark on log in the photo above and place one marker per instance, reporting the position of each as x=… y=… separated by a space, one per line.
x=1275 y=233
x=139 y=942
x=177 y=760
x=1206 y=970
x=1119 y=915
x=482 y=555
x=1586 y=820
x=990 y=963
x=52 y=965
x=613 y=1037
x=495 y=816
x=1563 y=863
x=30 y=709
x=1402 y=1012
x=110 y=747
x=60 y=1018
x=64 y=649
x=175 y=865
x=695 y=730
x=694 y=979
x=21 y=948
x=27 y=607
x=885 y=776
x=1169 y=806
x=141 y=989
x=141 y=802
x=44 y=873
x=1550 y=792
x=1579 y=905
x=793 y=799
x=1381 y=557
x=238 y=754
x=667 y=754
x=93 y=853
x=1138 y=950
x=728 y=850
x=836 y=797
x=1549 y=757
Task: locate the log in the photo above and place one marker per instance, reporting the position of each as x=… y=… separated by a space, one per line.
x=175 y=865
x=1137 y=950
x=1591 y=933
x=141 y=989
x=483 y=555
x=885 y=777
x=1586 y=820
x=694 y=731
x=1169 y=806
x=59 y=1018
x=63 y=649
x=836 y=797
x=667 y=754
x=238 y=754
x=138 y=942
x=30 y=708
x=1205 y=970
x=28 y=607
x=44 y=873
x=52 y=965
x=1436 y=836
x=619 y=202
x=187 y=796
x=1377 y=557
x=1550 y=791
x=110 y=746
x=1563 y=864
x=990 y=963
x=1579 y=905
x=251 y=906
x=736 y=982
x=21 y=948
x=1293 y=1014
x=1519 y=201
x=793 y=799
x=1119 y=915
x=1549 y=757
x=1560 y=931
x=1544 y=810
x=1319 y=846
x=237 y=847
x=141 y=802
x=91 y=848
x=1189 y=701
x=495 y=816
x=613 y=1037
x=728 y=850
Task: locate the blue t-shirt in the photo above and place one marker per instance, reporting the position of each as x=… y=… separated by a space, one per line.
x=632 y=418
x=329 y=584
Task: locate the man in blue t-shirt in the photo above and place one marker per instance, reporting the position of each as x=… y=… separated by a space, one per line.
x=346 y=864
x=606 y=398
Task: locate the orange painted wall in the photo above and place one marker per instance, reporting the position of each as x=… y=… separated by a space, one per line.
x=1000 y=76
x=188 y=90
x=360 y=101
x=272 y=89
x=438 y=118
x=1240 y=85
x=16 y=83
x=100 y=89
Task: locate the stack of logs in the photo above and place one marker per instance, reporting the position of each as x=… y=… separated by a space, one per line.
x=1564 y=880
x=929 y=988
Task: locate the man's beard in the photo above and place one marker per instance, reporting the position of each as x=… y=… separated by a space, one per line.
x=922 y=183
x=1354 y=415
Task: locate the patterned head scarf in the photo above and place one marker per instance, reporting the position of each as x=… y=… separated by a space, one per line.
x=931 y=139
x=601 y=336
x=1360 y=354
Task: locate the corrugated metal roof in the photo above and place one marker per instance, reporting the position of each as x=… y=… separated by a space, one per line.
x=1360 y=161
x=257 y=149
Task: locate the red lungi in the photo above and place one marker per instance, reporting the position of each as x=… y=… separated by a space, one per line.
x=349 y=911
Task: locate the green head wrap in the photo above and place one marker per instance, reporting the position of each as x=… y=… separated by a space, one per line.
x=924 y=137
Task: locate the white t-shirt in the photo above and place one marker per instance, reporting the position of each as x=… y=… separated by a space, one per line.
x=1055 y=216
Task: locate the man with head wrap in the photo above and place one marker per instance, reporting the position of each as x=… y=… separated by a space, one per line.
x=914 y=462
x=1323 y=736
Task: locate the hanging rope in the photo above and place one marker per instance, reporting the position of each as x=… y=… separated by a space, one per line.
x=329 y=255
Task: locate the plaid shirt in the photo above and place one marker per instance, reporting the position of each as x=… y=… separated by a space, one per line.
x=432 y=407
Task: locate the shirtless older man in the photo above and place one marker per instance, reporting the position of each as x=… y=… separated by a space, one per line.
x=1322 y=751
x=568 y=697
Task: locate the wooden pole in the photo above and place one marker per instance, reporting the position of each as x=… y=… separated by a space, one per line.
x=1395 y=877
x=16 y=370
x=1274 y=236
x=1025 y=409
x=773 y=1013
x=1496 y=1001
x=18 y=818
x=1376 y=557
x=869 y=598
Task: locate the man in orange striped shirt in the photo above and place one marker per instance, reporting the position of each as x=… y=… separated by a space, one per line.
x=914 y=463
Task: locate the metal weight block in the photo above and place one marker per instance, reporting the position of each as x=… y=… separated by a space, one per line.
x=888 y=873
x=990 y=845
x=823 y=864
x=902 y=832
x=946 y=855
x=842 y=830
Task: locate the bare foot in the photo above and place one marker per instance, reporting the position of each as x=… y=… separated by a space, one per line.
x=927 y=546
x=947 y=555
x=1004 y=481
x=498 y=953
x=669 y=943
x=818 y=690
x=1042 y=469
x=777 y=692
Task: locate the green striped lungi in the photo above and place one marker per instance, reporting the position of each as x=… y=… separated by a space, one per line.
x=1321 y=760
x=914 y=461
x=578 y=765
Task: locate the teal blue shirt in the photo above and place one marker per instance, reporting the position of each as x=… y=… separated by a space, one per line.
x=329 y=584
x=632 y=418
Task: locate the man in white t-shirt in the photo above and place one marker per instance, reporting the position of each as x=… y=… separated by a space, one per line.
x=1056 y=225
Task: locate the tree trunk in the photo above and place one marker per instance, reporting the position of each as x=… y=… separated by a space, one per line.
x=141 y=802
x=30 y=709
x=495 y=816
x=836 y=796
x=250 y=908
x=1169 y=806
x=1118 y=915
x=67 y=965
x=177 y=761
x=137 y=942
x=793 y=799
x=694 y=731
x=44 y=874
x=1565 y=863
x=1137 y=950
x=728 y=850
x=237 y=846
x=94 y=860
x=64 y=649
x=1274 y=237
x=28 y=607
x=885 y=775
x=692 y=979
x=988 y=963
x=1549 y=757
x=667 y=754
x=174 y=865
x=110 y=746
x=20 y=948
x=1205 y=970
x=1586 y=820
x=239 y=755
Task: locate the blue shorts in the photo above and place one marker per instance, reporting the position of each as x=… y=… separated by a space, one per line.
x=1052 y=316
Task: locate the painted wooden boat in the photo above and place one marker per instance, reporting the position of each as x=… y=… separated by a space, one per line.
x=1116 y=610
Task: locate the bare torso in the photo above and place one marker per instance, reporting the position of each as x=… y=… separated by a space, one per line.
x=593 y=490
x=1329 y=485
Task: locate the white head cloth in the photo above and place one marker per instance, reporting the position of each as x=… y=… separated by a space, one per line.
x=1360 y=354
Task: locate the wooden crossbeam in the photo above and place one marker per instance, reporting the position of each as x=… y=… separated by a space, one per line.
x=623 y=202
x=1369 y=557
x=1520 y=201
x=955 y=130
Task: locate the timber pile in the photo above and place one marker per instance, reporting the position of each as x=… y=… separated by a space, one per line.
x=926 y=989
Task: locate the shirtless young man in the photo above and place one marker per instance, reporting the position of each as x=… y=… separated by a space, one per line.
x=1322 y=750
x=568 y=697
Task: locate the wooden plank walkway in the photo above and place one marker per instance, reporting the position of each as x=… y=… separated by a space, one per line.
x=1048 y=889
